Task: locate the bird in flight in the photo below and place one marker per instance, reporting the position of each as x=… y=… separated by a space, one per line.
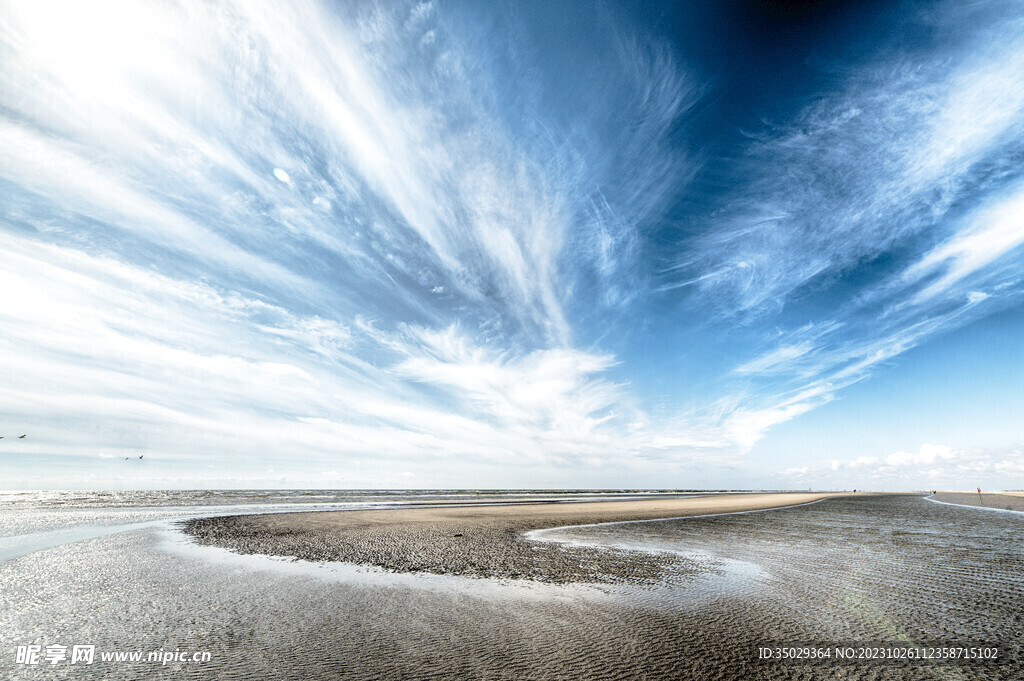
x=21 y=437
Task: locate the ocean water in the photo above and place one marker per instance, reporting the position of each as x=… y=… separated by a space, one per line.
x=114 y=573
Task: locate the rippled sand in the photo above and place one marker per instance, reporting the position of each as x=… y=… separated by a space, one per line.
x=858 y=569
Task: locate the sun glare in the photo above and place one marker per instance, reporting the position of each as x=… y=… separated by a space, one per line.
x=92 y=49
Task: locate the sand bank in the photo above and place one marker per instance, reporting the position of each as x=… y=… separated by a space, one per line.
x=480 y=541
x=1006 y=501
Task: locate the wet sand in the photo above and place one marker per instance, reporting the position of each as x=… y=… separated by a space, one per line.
x=1006 y=501
x=478 y=541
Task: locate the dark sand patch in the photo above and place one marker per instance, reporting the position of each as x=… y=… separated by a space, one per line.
x=478 y=541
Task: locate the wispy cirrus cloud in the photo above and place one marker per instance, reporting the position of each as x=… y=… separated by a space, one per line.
x=187 y=372
x=892 y=203
x=308 y=229
x=864 y=171
x=990 y=233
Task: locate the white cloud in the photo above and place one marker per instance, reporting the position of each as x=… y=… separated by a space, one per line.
x=930 y=467
x=913 y=157
x=779 y=359
x=928 y=455
x=992 y=232
x=44 y=166
x=187 y=370
x=746 y=426
x=865 y=170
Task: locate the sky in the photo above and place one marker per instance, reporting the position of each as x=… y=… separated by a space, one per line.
x=744 y=244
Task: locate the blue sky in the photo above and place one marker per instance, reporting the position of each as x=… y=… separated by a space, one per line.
x=526 y=244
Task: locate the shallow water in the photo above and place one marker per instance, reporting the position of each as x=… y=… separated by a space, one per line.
x=840 y=571
x=32 y=521
x=133 y=499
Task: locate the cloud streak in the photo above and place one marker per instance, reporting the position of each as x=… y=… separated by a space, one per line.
x=893 y=202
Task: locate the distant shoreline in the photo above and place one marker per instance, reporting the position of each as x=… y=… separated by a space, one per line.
x=1003 y=501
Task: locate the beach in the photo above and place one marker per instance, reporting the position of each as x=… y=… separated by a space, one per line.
x=1005 y=501
x=858 y=571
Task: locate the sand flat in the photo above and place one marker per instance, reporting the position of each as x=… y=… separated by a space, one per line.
x=544 y=514
x=1005 y=501
x=479 y=541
